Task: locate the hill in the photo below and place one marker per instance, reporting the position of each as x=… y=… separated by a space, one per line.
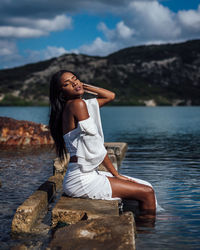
x=167 y=74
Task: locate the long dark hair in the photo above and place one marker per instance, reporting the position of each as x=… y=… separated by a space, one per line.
x=57 y=103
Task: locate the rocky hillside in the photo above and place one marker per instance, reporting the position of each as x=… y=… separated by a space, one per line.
x=144 y=75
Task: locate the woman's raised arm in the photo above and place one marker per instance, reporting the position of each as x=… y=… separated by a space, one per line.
x=103 y=95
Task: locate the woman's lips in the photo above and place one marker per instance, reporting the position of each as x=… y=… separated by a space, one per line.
x=78 y=88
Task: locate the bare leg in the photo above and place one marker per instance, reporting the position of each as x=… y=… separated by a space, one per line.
x=132 y=190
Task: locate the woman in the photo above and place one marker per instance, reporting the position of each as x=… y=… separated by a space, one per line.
x=75 y=124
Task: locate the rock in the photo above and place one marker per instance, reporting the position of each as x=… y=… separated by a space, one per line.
x=178 y=102
x=71 y=210
x=15 y=132
x=109 y=232
x=150 y=103
x=60 y=167
x=19 y=247
x=27 y=214
x=57 y=181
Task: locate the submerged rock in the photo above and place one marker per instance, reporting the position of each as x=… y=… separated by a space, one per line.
x=15 y=132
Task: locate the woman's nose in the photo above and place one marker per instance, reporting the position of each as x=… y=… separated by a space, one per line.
x=74 y=83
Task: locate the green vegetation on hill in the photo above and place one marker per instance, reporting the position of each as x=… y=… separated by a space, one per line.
x=167 y=74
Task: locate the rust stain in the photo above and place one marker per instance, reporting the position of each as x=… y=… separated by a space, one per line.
x=15 y=132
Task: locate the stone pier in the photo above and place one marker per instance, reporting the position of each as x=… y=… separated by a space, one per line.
x=71 y=210
x=28 y=213
x=89 y=224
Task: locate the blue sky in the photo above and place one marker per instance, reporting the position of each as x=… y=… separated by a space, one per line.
x=35 y=30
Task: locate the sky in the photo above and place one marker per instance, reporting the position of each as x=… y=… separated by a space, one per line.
x=36 y=30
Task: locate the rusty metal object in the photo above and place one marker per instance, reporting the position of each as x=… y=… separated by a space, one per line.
x=15 y=132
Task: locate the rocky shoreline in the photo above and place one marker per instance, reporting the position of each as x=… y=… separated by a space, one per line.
x=15 y=132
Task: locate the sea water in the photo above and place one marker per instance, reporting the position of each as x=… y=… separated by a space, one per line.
x=163 y=148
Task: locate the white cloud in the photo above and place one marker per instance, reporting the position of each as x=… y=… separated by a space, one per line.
x=20 y=32
x=9 y=54
x=121 y=31
x=152 y=21
x=27 y=28
x=44 y=54
x=190 y=19
x=124 y=31
x=10 y=57
x=52 y=51
x=98 y=47
x=59 y=22
x=149 y=22
x=7 y=48
x=107 y=32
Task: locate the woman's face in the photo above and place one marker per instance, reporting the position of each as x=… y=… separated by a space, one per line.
x=71 y=85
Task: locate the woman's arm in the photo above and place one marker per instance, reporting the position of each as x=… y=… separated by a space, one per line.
x=103 y=95
x=108 y=164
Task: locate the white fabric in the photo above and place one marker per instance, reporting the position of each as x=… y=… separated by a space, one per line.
x=87 y=140
x=93 y=184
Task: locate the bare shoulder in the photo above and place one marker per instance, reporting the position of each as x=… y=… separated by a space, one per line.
x=79 y=109
x=77 y=104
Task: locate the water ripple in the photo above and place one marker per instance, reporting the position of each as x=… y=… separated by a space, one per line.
x=22 y=171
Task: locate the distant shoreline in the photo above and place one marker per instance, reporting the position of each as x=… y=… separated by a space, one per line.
x=108 y=105
x=148 y=75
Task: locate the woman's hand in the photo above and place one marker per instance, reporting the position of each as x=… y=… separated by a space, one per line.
x=87 y=86
x=90 y=89
x=124 y=178
x=103 y=95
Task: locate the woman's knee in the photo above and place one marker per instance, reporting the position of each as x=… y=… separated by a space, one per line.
x=149 y=192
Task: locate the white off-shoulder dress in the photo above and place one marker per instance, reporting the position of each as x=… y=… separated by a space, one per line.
x=82 y=178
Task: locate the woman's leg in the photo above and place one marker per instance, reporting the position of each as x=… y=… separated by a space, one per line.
x=130 y=190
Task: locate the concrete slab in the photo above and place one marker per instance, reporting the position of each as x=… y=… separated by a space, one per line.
x=36 y=204
x=101 y=233
x=71 y=210
x=113 y=159
x=119 y=149
x=28 y=212
x=57 y=181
